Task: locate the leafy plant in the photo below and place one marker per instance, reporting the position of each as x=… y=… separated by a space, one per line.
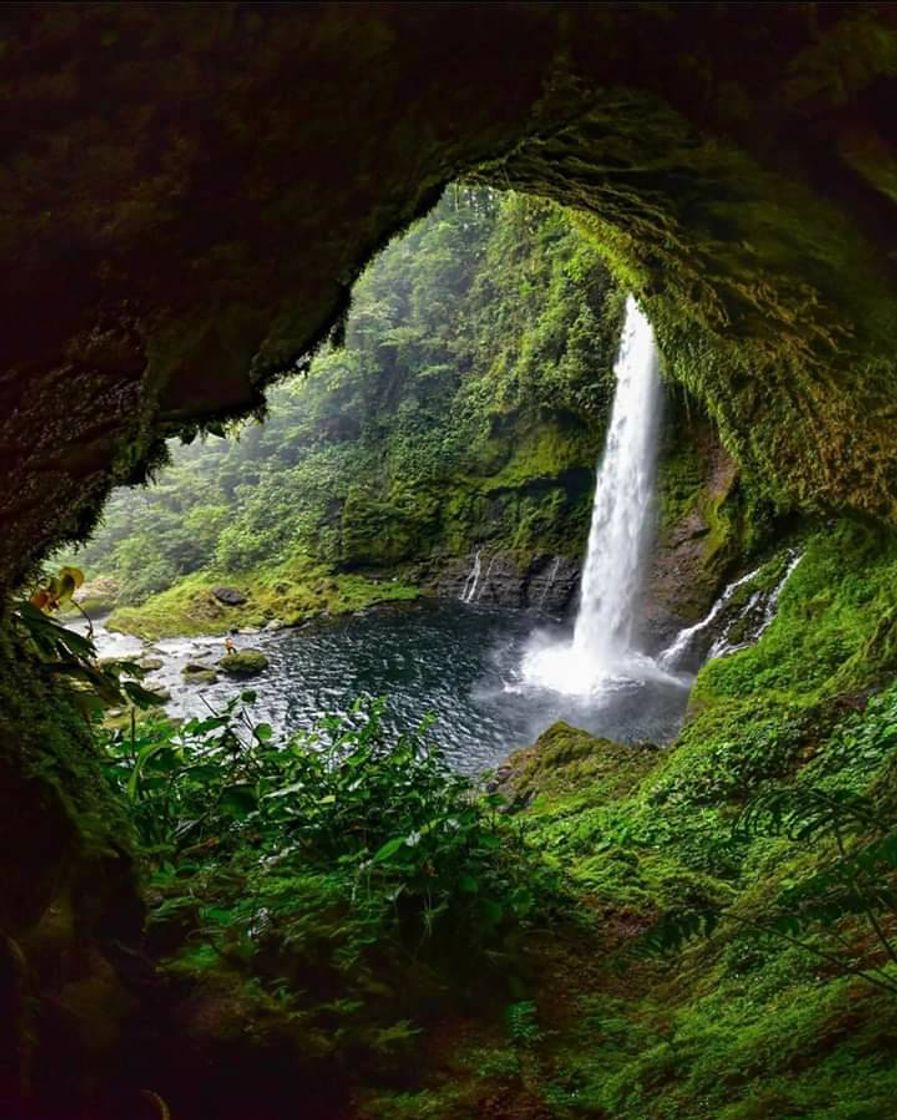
x=388 y=814
x=63 y=651
x=346 y=874
x=854 y=877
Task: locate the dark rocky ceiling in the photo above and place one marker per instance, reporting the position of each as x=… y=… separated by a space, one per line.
x=188 y=192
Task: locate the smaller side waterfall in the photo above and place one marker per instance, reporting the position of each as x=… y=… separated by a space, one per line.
x=484 y=583
x=472 y=581
x=764 y=605
x=673 y=654
x=549 y=583
x=761 y=603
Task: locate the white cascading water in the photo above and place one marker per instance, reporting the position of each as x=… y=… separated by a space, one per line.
x=770 y=605
x=673 y=654
x=621 y=530
x=472 y=581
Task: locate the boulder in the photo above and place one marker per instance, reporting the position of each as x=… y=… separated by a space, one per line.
x=229 y=596
x=198 y=674
x=244 y=663
x=150 y=664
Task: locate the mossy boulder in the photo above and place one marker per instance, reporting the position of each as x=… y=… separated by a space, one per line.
x=565 y=758
x=244 y=663
x=196 y=673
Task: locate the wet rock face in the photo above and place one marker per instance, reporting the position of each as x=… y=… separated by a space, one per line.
x=698 y=538
x=546 y=583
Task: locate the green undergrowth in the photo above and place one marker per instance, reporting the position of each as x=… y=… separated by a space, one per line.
x=290 y=593
x=700 y=931
x=741 y=885
x=337 y=890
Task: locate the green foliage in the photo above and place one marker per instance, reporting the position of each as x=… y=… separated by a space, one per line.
x=64 y=652
x=291 y=592
x=314 y=867
x=758 y=851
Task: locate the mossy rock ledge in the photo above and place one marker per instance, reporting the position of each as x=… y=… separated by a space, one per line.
x=244 y=663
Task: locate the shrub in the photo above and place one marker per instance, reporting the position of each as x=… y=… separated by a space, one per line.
x=324 y=867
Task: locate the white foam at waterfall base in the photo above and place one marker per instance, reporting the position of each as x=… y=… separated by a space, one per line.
x=601 y=656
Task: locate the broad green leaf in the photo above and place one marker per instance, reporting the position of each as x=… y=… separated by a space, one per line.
x=387 y=850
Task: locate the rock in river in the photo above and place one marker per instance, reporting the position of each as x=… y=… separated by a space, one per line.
x=194 y=673
x=244 y=663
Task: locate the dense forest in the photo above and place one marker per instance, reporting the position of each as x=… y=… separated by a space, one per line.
x=465 y=406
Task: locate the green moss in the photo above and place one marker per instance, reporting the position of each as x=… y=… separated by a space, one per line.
x=244 y=663
x=290 y=593
x=542 y=454
x=197 y=674
x=834 y=630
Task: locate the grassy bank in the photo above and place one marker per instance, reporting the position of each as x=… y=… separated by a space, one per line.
x=291 y=593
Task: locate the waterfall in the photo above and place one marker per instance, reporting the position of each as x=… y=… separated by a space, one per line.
x=549 y=583
x=770 y=605
x=620 y=531
x=767 y=600
x=479 y=594
x=621 y=515
x=472 y=581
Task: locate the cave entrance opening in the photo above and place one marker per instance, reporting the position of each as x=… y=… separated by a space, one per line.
x=443 y=448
